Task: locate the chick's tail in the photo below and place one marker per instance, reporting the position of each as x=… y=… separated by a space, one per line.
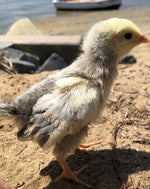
x=9 y=116
x=8 y=108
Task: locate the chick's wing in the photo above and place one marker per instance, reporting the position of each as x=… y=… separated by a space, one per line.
x=72 y=105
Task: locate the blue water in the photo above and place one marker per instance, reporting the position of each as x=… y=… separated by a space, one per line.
x=12 y=10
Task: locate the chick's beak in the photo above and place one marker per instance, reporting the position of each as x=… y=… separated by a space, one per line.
x=143 y=39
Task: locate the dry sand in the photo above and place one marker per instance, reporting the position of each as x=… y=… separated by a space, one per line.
x=26 y=166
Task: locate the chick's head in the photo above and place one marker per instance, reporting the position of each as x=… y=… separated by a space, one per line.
x=116 y=35
x=126 y=35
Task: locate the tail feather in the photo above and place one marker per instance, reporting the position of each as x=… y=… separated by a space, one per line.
x=8 y=108
x=10 y=116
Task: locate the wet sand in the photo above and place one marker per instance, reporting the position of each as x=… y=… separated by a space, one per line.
x=77 y=22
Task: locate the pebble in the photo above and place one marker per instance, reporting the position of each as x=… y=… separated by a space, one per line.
x=128 y=59
x=29 y=177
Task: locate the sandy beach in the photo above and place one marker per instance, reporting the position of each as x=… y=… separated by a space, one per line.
x=77 y=22
x=27 y=166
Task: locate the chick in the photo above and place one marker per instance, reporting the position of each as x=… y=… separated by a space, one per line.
x=56 y=111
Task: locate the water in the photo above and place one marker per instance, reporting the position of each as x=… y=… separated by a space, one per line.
x=12 y=10
x=131 y=4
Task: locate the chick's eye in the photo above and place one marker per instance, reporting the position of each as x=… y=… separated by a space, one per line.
x=128 y=36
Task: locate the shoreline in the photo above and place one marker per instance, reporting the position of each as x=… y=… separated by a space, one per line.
x=78 y=22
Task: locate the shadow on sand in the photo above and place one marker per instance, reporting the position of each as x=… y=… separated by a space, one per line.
x=100 y=172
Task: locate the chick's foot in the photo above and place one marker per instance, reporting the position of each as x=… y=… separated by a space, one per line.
x=89 y=145
x=67 y=173
x=82 y=146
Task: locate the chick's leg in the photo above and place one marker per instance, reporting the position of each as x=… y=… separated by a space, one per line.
x=67 y=173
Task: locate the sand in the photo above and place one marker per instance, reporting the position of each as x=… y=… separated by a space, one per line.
x=77 y=22
x=26 y=166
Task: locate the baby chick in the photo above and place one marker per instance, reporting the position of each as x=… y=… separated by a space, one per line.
x=56 y=111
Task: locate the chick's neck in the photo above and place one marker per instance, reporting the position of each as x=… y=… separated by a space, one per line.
x=97 y=64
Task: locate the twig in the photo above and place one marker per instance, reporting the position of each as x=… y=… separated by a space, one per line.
x=114 y=145
x=20 y=185
x=142 y=141
x=124 y=67
x=2 y=55
x=9 y=69
x=140 y=185
x=7 y=60
x=126 y=186
x=116 y=128
x=22 y=150
x=132 y=182
x=114 y=136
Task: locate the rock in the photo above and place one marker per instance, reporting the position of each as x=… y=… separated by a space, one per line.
x=22 y=58
x=23 y=66
x=128 y=59
x=54 y=62
x=23 y=27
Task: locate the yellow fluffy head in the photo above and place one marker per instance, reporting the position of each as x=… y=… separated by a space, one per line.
x=121 y=35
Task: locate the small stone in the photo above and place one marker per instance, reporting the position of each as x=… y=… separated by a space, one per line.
x=128 y=59
x=29 y=177
x=144 y=88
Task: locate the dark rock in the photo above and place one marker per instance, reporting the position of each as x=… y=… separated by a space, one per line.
x=23 y=66
x=54 y=62
x=17 y=55
x=128 y=59
x=31 y=58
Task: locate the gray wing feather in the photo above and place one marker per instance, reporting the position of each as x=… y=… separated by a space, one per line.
x=61 y=113
x=27 y=100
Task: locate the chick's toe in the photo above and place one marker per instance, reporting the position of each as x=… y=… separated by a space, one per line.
x=67 y=173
